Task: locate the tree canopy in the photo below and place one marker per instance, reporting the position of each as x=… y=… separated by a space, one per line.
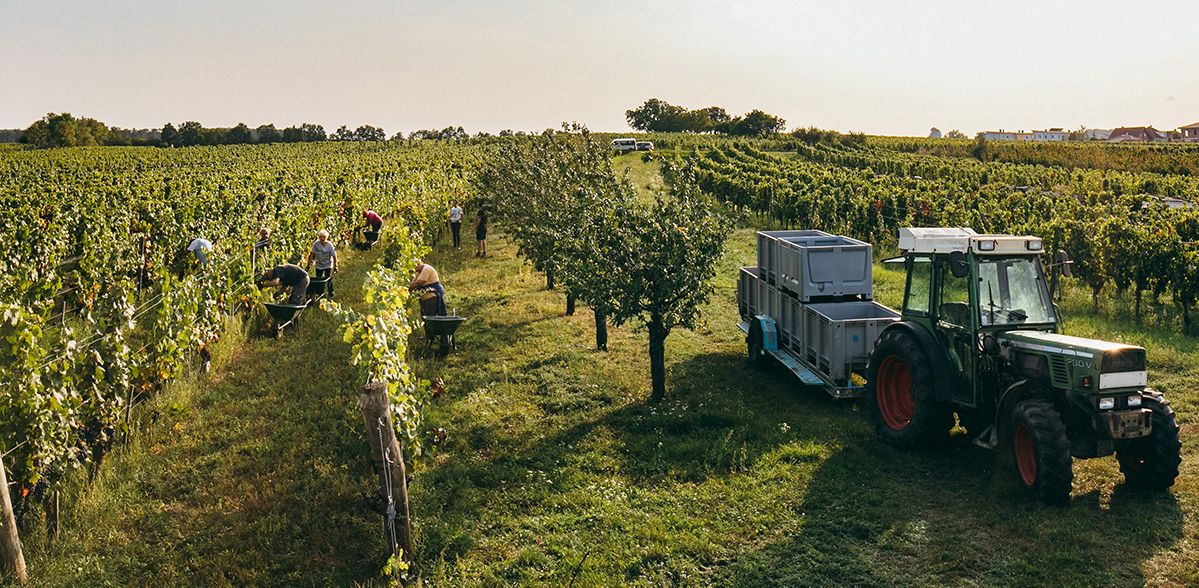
x=64 y=130
x=659 y=116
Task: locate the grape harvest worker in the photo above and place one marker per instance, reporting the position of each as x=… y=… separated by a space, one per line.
x=201 y=248
x=373 y=220
x=432 y=298
x=456 y=223
x=325 y=256
x=288 y=275
x=481 y=234
x=264 y=239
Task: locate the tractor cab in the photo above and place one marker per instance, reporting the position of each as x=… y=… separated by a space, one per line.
x=966 y=289
x=979 y=338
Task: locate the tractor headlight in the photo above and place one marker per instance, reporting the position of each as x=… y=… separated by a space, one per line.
x=1033 y=244
x=1134 y=401
x=1107 y=403
x=986 y=245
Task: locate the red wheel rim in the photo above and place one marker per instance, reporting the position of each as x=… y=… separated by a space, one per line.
x=1026 y=456
x=894 y=393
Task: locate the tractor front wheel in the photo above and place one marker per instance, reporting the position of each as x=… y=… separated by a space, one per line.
x=1041 y=451
x=1152 y=462
x=901 y=396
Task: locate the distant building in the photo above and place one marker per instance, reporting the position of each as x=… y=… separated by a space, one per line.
x=934 y=133
x=1137 y=135
x=1002 y=135
x=1097 y=134
x=1054 y=134
x=1190 y=133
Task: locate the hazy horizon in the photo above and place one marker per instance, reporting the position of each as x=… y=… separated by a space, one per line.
x=886 y=68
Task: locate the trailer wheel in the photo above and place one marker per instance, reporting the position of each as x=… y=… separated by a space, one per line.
x=1041 y=451
x=1152 y=462
x=900 y=394
x=756 y=352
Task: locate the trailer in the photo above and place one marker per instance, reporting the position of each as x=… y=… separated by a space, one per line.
x=809 y=305
x=977 y=351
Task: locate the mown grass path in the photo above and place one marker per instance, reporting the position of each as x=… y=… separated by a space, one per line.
x=251 y=476
x=557 y=468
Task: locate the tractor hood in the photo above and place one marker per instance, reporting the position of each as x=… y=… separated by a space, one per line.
x=1063 y=344
x=1116 y=364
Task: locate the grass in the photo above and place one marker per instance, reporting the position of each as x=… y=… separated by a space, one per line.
x=645 y=175
x=251 y=475
x=557 y=468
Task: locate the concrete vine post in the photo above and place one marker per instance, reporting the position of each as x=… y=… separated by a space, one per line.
x=389 y=464
x=12 y=559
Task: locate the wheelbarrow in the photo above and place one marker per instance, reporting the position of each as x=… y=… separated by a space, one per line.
x=317 y=289
x=369 y=238
x=283 y=315
x=442 y=327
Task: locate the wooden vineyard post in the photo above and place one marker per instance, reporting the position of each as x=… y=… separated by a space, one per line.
x=389 y=464
x=12 y=560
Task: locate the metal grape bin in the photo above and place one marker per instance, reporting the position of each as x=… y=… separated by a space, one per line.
x=815 y=265
x=813 y=290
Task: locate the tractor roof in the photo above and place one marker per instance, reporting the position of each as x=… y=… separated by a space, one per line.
x=946 y=240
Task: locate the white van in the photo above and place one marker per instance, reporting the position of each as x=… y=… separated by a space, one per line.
x=624 y=145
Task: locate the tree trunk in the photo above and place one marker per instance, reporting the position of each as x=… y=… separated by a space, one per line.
x=570 y=304
x=389 y=464
x=1095 y=300
x=601 y=331
x=1137 y=305
x=657 y=359
x=549 y=279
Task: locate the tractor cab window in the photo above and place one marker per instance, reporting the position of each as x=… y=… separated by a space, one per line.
x=1012 y=291
x=954 y=305
x=920 y=281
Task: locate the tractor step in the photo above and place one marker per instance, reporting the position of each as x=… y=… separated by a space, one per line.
x=805 y=374
x=988 y=439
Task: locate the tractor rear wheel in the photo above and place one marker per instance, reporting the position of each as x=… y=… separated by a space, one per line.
x=756 y=351
x=1041 y=451
x=1152 y=462
x=901 y=396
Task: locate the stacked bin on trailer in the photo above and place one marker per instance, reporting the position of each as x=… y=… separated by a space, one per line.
x=809 y=304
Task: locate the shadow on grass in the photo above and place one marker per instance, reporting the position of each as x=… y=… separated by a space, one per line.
x=870 y=515
x=720 y=420
x=876 y=516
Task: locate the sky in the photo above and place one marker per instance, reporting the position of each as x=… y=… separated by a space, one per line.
x=894 y=68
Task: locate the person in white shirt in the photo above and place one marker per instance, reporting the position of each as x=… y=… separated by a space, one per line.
x=456 y=223
x=201 y=248
x=325 y=256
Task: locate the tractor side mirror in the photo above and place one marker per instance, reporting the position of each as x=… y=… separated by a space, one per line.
x=1063 y=261
x=958 y=265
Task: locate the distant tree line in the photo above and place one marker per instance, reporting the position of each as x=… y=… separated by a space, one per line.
x=64 y=130
x=192 y=133
x=658 y=116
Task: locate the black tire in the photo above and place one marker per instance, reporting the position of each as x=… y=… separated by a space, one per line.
x=1041 y=451
x=755 y=352
x=1152 y=462
x=901 y=397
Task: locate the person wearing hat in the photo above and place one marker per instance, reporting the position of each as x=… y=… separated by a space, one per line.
x=201 y=248
x=325 y=256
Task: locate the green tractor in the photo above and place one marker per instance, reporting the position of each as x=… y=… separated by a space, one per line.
x=979 y=336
